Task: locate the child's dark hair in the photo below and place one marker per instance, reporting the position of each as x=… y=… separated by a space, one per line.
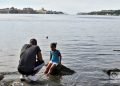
x=54 y=44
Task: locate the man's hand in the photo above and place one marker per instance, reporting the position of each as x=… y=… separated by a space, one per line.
x=39 y=57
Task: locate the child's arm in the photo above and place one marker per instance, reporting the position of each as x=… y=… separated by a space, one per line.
x=50 y=56
x=60 y=57
x=39 y=56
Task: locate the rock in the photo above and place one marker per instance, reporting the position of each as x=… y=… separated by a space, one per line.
x=1 y=77
x=12 y=78
x=112 y=73
x=17 y=84
x=117 y=50
x=62 y=70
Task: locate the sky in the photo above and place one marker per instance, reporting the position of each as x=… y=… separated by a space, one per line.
x=68 y=6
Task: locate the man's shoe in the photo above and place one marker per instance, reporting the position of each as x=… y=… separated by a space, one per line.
x=32 y=78
x=22 y=77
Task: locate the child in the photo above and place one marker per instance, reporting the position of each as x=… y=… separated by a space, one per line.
x=55 y=59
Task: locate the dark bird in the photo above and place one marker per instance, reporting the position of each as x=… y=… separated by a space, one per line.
x=46 y=37
x=117 y=50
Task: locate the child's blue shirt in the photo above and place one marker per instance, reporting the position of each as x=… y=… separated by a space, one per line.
x=55 y=56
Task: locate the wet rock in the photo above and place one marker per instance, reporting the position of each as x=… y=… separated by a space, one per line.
x=11 y=83
x=1 y=77
x=8 y=73
x=116 y=50
x=112 y=73
x=17 y=84
x=12 y=78
x=62 y=70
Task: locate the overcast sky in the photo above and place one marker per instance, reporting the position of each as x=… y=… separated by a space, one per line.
x=69 y=6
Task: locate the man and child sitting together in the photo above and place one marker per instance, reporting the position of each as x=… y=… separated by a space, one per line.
x=31 y=60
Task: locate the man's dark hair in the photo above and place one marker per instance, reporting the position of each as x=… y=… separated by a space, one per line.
x=54 y=44
x=33 y=41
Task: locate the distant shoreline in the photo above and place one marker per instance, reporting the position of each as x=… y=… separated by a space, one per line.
x=13 y=10
x=102 y=12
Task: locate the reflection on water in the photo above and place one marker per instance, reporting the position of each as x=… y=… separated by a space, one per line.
x=87 y=43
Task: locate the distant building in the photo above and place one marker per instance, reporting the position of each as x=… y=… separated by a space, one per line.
x=13 y=10
x=5 y=10
x=42 y=11
x=28 y=11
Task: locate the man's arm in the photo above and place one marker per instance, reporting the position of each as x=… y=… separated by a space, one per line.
x=39 y=56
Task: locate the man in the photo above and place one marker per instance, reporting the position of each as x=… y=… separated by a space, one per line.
x=31 y=60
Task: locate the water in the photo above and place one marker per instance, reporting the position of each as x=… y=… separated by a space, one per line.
x=86 y=43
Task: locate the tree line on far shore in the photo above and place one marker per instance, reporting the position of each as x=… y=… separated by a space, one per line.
x=13 y=10
x=103 y=12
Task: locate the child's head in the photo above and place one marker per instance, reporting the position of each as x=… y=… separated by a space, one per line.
x=53 y=46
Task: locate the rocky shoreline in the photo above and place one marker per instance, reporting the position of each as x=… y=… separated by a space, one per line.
x=102 y=12
x=12 y=78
